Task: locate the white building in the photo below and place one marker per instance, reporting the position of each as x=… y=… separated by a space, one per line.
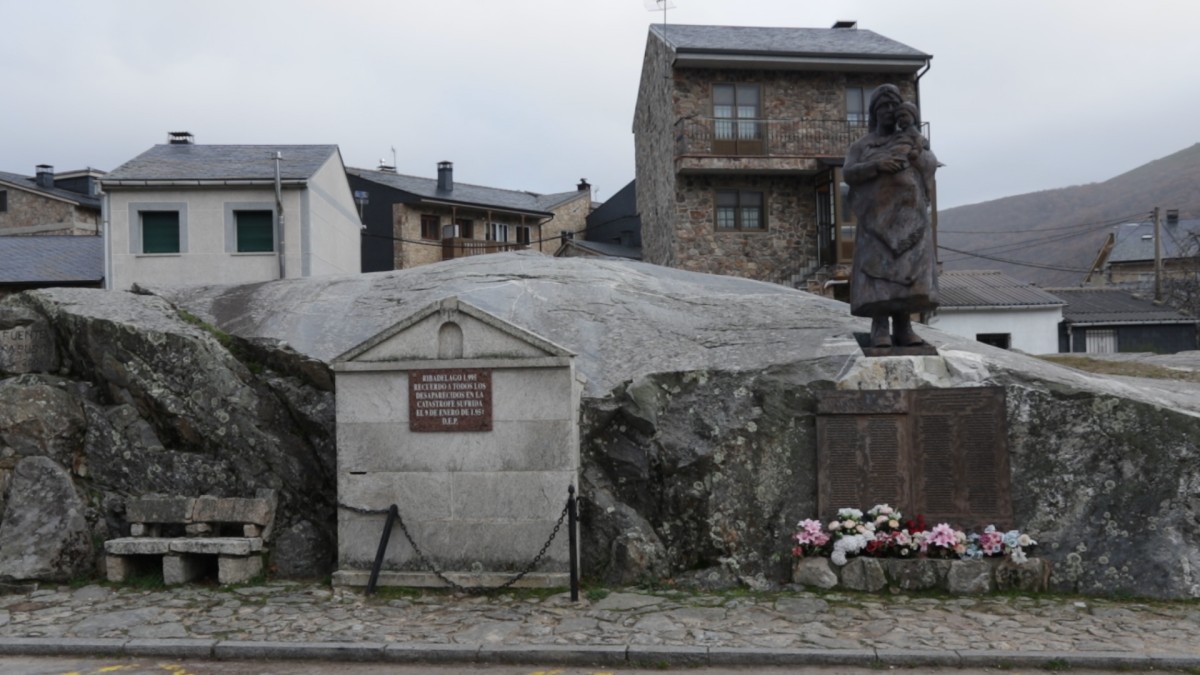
x=182 y=213
x=996 y=309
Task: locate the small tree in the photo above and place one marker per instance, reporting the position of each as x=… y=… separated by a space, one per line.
x=1181 y=284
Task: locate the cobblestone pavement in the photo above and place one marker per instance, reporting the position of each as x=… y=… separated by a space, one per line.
x=299 y=612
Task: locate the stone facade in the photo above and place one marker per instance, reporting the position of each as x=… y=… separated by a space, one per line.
x=804 y=124
x=33 y=213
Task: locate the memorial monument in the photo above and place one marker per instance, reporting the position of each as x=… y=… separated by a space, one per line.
x=890 y=174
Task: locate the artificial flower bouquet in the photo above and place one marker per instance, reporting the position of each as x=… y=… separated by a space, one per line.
x=882 y=532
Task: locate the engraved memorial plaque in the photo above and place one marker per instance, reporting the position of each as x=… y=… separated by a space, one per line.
x=942 y=453
x=450 y=399
x=27 y=347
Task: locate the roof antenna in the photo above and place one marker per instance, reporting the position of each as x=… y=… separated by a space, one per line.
x=664 y=5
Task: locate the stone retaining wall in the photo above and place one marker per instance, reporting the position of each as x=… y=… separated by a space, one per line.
x=963 y=577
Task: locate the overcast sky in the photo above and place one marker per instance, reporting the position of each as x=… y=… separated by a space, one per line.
x=1023 y=95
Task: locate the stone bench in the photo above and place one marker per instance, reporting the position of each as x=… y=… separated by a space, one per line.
x=186 y=535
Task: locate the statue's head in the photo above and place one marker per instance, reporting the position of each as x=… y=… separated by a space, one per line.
x=908 y=115
x=884 y=93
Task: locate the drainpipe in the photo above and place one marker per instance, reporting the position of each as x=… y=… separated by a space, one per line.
x=279 y=214
x=928 y=65
x=105 y=206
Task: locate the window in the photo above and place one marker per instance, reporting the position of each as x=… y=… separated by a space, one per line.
x=1001 y=340
x=3 y=201
x=740 y=210
x=1101 y=341
x=497 y=232
x=523 y=234
x=255 y=231
x=465 y=227
x=856 y=106
x=430 y=227
x=160 y=231
x=737 y=127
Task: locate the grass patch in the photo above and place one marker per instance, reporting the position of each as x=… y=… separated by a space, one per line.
x=1126 y=368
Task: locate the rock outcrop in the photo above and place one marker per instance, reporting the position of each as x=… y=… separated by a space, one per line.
x=698 y=427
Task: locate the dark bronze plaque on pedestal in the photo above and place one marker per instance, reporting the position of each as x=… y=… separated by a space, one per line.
x=942 y=453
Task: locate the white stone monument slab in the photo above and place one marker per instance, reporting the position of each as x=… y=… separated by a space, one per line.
x=469 y=425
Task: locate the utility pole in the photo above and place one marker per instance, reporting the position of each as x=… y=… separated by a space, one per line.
x=1158 y=254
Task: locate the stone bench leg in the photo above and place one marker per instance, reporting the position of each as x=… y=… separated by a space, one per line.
x=118 y=567
x=238 y=569
x=180 y=569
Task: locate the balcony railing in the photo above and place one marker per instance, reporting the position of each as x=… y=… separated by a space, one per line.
x=725 y=137
x=457 y=247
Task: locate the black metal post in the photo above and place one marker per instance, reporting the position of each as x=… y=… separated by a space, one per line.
x=572 y=521
x=392 y=514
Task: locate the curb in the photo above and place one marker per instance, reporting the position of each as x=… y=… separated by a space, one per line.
x=588 y=655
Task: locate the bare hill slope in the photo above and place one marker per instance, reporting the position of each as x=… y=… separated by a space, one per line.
x=1057 y=233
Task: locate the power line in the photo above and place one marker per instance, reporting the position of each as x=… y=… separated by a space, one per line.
x=1012 y=262
x=1137 y=217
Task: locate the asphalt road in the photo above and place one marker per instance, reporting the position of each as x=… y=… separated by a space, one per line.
x=143 y=666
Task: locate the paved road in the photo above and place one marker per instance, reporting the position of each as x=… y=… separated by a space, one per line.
x=285 y=620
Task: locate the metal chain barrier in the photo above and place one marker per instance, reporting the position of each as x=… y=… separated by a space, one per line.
x=393 y=513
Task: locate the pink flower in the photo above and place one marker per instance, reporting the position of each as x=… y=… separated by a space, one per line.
x=943 y=535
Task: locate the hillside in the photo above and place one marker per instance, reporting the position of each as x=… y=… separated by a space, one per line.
x=1058 y=232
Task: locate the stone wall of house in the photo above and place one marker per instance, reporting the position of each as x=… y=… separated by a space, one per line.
x=570 y=216
x=786 y=94
x=654 y=155
x=786 y=248
x=678 y=209
x=28 y=209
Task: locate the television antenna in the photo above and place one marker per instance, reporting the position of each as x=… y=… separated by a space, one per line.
x=660 y=5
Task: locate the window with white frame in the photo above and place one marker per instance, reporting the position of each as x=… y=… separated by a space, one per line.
x=497 y=232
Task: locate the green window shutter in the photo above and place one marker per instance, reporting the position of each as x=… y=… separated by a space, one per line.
x=255 y=231
x=160 y=232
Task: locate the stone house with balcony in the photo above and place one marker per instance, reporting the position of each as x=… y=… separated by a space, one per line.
x=411 y=221
x=740 y=134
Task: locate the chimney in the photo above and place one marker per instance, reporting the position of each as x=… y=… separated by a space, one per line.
x=445 y=176
x=846 y=24
x=45 y=176
x=180 y=138
x=583 y=185
x=1172 y=217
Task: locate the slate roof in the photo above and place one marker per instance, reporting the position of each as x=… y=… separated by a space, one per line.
x=465 y=193
x=980 y=289
x=777 y=41
x=51 y=259
x=30 y=183
x=601 y=248
x=1114 y=306
x=1135 y=241
x=169 y=162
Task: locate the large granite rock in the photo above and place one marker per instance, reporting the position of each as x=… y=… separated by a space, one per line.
x=698 y=433
x=44 y=534
x=178 y=408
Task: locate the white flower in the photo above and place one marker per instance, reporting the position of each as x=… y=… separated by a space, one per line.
x=1025 y=540
x=835 y=526
x=846 y=545
x=893 y=524
x=849 y=524
x=879 y=520
x=1018 y=556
